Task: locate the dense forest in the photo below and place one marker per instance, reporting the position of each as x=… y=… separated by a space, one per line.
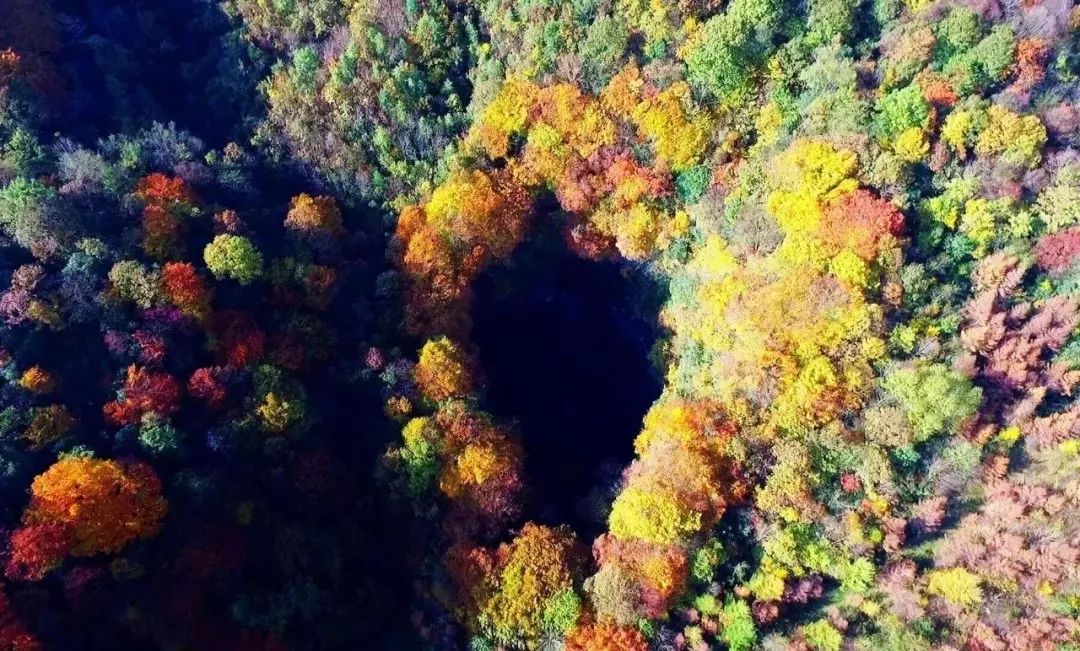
x=498 y=325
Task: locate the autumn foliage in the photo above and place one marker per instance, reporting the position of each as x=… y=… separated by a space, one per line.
x=186 y=289
x=511 y=589
x=144 y=392
x=606 y=637
x=313 y=217
x=444 y=371
x=240 y=243
x=37 y=380
x=470 y=221
x=103 y=504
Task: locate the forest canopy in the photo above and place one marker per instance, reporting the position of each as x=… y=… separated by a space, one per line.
x=297 y=352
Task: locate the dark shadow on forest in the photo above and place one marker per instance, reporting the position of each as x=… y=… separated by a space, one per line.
x=565 y=343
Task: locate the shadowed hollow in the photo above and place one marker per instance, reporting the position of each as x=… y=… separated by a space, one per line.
x=565 y=344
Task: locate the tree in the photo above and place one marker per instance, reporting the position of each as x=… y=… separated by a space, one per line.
x=525 y=577
x=985 y=63
x=158 y=436
x=1056 y=252
x=739 y=632
x=133 y=281
x=602 y=48
x=956 y=585
x=162 y=233
x=678 y=129
x=144 y=392
x=238 y=340
x=604 y=636
x=47 y=425
x=206 y=384
x=314 y=218
x=653 y=517
x=286 y=24
x=724 y=54
x=30 y=29
x=184 y=288
x=36 y=550
x=37 y=380
x=103 y=504
x=1008 y=344
x=165 y=191
x=822 y=636
x=444 y=371
x=934 y=398
x=9 y=66
x=1018 y=139
x=235 y=257
x=31 y=214
x=901 y=110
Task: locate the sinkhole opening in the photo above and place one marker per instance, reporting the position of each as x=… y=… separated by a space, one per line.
x=566 y=345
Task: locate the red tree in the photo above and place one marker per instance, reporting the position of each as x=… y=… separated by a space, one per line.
x=144 y=392
x=35 y=550
x=206 y=384
x=240 y=341
x=1057 y=251
x=164 y=190
x=186 y=290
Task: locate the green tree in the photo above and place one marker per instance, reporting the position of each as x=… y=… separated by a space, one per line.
x=901 y=110
x=233 y=256
x=739 y=632
x=730 y=46
x=934 y=397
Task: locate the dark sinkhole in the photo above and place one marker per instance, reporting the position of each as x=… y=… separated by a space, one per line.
x=565 y=343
